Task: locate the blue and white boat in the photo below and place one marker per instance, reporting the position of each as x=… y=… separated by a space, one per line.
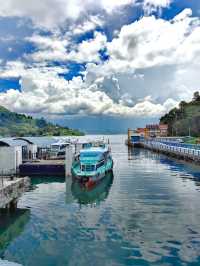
x=92 y=163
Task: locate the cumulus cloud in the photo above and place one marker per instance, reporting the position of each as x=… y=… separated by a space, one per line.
x=89 y=24
x=53 y=13
x=150 y=42
x=48 y=94
x=149 y=57
x=152 y=5
x=50 y=49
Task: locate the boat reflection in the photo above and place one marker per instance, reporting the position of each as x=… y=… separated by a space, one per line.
x=12 y=225
x=92 y=195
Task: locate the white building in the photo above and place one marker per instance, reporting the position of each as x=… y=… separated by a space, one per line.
x=29 y=149
x=10 y=159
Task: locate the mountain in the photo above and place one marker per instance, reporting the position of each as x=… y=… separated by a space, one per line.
x=184 y=120
x=14 y=124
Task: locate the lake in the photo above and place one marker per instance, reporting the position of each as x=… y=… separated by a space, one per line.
x=147 y=213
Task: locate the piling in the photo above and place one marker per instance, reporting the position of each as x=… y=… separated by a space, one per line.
x=68 y=160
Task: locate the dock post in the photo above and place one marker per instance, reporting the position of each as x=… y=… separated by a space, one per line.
x=68 y=161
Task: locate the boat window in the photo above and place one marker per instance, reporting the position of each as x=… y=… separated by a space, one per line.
x=63 y=146
x=55 y=147
x=88 y=167
x=100 y=164
x=84 y=155
x=61 y=153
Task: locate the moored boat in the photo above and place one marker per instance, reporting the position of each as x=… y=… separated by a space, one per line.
x=92 y=163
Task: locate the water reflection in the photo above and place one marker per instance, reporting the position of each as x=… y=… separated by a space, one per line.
x=92 y=195
x=12 y=224
x=148 y=215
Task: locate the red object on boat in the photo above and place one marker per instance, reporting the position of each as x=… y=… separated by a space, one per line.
x=90 y=183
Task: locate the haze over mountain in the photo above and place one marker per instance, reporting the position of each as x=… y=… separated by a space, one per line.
x=100 y=66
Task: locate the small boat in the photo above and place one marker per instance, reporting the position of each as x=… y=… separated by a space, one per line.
x=57 y=150
x=134 y=140
x=92 y=163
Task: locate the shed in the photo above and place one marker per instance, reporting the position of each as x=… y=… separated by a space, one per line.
x=28 y=149
x=10 y=157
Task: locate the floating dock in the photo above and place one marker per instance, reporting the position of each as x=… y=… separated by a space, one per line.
x=11 y=190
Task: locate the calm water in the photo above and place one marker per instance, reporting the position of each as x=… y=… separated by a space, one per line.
x=147 y=214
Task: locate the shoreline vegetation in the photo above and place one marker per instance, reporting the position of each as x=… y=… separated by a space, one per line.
x=19 y=125
x=184 y=120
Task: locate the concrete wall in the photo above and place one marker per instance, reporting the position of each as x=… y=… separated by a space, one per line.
x=10 y=159
x=12 y=190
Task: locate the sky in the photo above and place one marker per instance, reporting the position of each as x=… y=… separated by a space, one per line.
x=99 y=66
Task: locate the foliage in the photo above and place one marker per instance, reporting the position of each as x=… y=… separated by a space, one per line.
x=14 y=124
x=184 y=120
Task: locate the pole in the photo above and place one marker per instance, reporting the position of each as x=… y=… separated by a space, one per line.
x=68 y=160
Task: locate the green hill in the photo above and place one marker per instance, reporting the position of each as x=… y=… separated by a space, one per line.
x=14 y=124
x=184 y=120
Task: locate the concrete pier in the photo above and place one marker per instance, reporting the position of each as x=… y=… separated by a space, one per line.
x=11 y=190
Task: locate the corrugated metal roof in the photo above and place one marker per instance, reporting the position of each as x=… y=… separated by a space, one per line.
x=41 y=141
x=12 y=142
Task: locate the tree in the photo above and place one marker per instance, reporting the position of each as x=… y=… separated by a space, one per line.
x=196 y=96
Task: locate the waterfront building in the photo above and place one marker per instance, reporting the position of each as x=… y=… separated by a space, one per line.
x=153 y=130
x=28 y=149
x=10 y=159
x=163 y=130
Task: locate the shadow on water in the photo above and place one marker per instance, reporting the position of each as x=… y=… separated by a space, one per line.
x=93 y=195
x=46 y=180
x=12 y=224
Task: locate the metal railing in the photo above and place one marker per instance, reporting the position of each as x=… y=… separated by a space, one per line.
x=172 y=147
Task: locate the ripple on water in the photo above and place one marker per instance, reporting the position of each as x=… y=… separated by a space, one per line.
x=147 y=215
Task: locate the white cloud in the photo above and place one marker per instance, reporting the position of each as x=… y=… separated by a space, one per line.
x=51 y=95
x=150 y=42
x=88 y=25
x=110 y=5
x=53 y=13
x=150 y=57
x=56 y=49
x=153 y=5
x=17 y=69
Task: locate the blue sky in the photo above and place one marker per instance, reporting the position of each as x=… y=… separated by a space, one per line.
x=98 y=66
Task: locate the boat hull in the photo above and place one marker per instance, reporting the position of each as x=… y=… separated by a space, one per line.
x=94 y=177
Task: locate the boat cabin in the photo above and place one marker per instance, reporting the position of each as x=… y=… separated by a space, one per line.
x=93 y=158
x=58 y=149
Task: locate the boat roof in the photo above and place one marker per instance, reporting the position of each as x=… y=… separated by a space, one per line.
x=95 y=150
x=60 y=143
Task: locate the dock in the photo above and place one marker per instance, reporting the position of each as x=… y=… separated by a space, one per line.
x=182 y=151
x=11 y=190
x=43 y=168
x=187 y=152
